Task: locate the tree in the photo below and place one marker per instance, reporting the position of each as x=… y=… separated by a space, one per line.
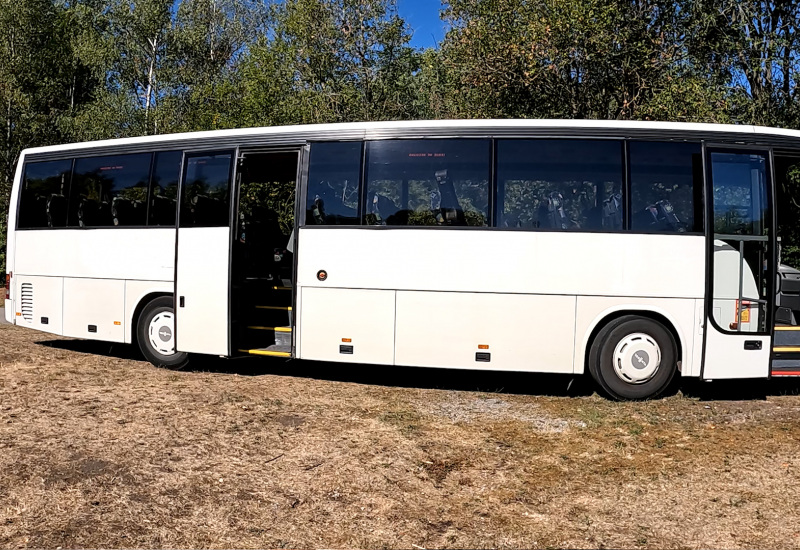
x=753 y=47
x=331 y=61
x=610 y=59
x=211 y=36
x=43 y=82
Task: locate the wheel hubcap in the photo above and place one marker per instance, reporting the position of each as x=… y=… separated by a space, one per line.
x=637 y=358
x=161 y=332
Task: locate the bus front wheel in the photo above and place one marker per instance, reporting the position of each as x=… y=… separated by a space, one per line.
x=156 y=334
x=633 y=358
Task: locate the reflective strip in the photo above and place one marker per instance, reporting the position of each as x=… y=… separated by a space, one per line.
x=279 y=329
x=266 y=352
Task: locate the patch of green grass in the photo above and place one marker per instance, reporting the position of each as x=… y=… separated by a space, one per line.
x=592 y=416
x=405 y=420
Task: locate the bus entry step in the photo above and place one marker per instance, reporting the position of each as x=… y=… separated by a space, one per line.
x=271 y=351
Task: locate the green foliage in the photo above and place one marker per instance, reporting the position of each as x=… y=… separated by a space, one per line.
x=259 y=199
x=568 y=59
x=330 y=61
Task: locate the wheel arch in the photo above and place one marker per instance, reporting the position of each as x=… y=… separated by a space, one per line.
x=137 y=312
x=649 y=312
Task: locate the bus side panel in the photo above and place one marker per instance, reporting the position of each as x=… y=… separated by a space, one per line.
x=681 y=313
x=39 y=303
x=94 y=309
x=347 y=325
x=146 y=254
x=506 y=262
x=485 y=331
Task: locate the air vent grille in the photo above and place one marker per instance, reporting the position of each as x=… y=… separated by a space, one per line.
x=26 y=301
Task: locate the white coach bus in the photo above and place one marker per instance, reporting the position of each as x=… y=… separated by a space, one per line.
x=632 y=250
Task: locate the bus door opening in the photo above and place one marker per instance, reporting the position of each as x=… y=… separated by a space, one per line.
x=263 y=253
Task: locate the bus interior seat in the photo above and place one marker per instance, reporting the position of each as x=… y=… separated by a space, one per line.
x=207 y=211
x=162 y=211
x=450 y=211
x=56 y=210
x=659 y=216
x=125 y=211
x=87 y=212
x=382 y=208
x=328 y=207
x=551 y=212
x=612 y=212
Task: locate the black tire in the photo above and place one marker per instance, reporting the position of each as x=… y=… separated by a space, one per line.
x=611 y=377
x=162 y=307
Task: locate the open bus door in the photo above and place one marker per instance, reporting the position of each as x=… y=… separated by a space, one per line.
x=741 y=265
x=202 y=290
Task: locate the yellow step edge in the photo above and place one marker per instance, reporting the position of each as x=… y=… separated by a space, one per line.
x=780 y=349
x=787 y=328
x=282 y=308
x=266 y=352
x=281 y=288
x=276 y=329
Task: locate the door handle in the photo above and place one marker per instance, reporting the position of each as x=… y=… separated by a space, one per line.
x=182 y=302
x=752 y=344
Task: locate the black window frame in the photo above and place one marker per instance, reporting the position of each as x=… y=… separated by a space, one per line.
x=699 y=196
x=25 y=165
x=150 y=196
x=305 y=180
x=489 y=178
x=494 y=191
x=75 y=160
x=232 y=188
x=624 y=183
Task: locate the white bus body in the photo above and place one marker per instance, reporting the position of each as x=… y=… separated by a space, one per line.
x=495 y=297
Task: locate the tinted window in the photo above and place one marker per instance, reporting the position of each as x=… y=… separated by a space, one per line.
x=334 y=175
x=109 y=191
x=164 y=188
x=43 y=198
x=666 y=187
x=740 y=202
x=560 y=184
x=428 y=182
x=206 y=191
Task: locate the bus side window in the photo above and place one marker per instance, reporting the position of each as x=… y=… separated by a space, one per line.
x=560 y=185
x=206 y=190
x=666 y=187
x=164 y=189
x=428 y=182
x=109 y=191
x=334 y=183
x=43 y=197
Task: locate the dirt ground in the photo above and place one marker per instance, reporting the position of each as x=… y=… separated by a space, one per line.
x=100 y=449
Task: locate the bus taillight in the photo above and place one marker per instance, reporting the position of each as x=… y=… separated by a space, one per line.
x=8 y=285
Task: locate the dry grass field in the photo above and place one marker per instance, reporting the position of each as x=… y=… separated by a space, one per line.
x=100 y=449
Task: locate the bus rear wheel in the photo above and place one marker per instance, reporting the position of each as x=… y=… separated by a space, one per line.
x=633 y=358
x=156 y=334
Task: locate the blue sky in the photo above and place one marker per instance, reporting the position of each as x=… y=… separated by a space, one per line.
x=423 y=18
